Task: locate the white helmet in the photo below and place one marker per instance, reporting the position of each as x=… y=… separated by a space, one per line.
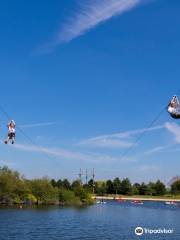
x=13 y=122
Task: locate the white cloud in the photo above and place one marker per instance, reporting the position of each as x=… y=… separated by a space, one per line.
x=174 y=129
x=147 y=168
x=117 y=140
x=89 y=15
x=156 y=150
x=69 y=155
x=108 y=142
x=92 y=14
x=42 y=124
x=137 y=131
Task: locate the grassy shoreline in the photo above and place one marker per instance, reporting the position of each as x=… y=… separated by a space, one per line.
x=140 y=198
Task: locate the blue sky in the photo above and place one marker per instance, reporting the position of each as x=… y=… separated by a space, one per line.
x=83 y=79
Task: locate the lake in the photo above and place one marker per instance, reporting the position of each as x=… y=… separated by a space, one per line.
x=112 y=220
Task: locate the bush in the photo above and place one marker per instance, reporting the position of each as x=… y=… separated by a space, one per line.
x=68 y=197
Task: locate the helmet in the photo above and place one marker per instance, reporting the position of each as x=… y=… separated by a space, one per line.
x=13 y=122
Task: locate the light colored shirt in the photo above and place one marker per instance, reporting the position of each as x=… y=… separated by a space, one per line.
x=172 y=110
x=11 y=129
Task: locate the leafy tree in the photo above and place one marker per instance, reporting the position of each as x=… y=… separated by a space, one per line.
x=135 y=189
x=16 y=189
x=175 y=187
x=54 y=183
x=83 y=195
x=68 y=197
x=109 y=187
x=43 y=190
x=90 y=186
x=100 y=187
x=117 y=185
x=76 y=184
x=160 y=188
x=12 y=186
x=66 y=184
x=22 y=189
x=90 y=183
x=150 y=190
x=126 y=187
x=30 y=199
x=59 y=183
x=143 y=189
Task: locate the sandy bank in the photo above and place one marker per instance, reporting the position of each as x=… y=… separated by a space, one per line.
x=137 y=198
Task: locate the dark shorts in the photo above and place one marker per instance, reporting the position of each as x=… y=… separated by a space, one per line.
x=11 y=135
x=175 y=115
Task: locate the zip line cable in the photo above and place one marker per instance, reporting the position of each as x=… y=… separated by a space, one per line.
x=2 y=132
x=126 y=152
x=25 y=135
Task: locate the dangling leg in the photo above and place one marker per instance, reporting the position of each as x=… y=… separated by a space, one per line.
x=7 y=140
x=178 y=115
x=13 y=138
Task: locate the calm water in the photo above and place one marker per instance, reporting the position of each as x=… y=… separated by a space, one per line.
x=112 y=220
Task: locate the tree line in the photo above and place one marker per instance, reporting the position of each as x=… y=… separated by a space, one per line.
x=125 y=187
x=15 y=189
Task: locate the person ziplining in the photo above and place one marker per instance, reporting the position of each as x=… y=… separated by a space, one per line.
x=173 y=108
x=11 y=132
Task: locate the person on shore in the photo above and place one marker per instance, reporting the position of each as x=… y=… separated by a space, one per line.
x=11 y=132
x=173 y=108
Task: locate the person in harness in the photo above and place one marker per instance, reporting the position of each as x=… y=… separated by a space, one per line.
x=173 y=108
x=11 y=132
